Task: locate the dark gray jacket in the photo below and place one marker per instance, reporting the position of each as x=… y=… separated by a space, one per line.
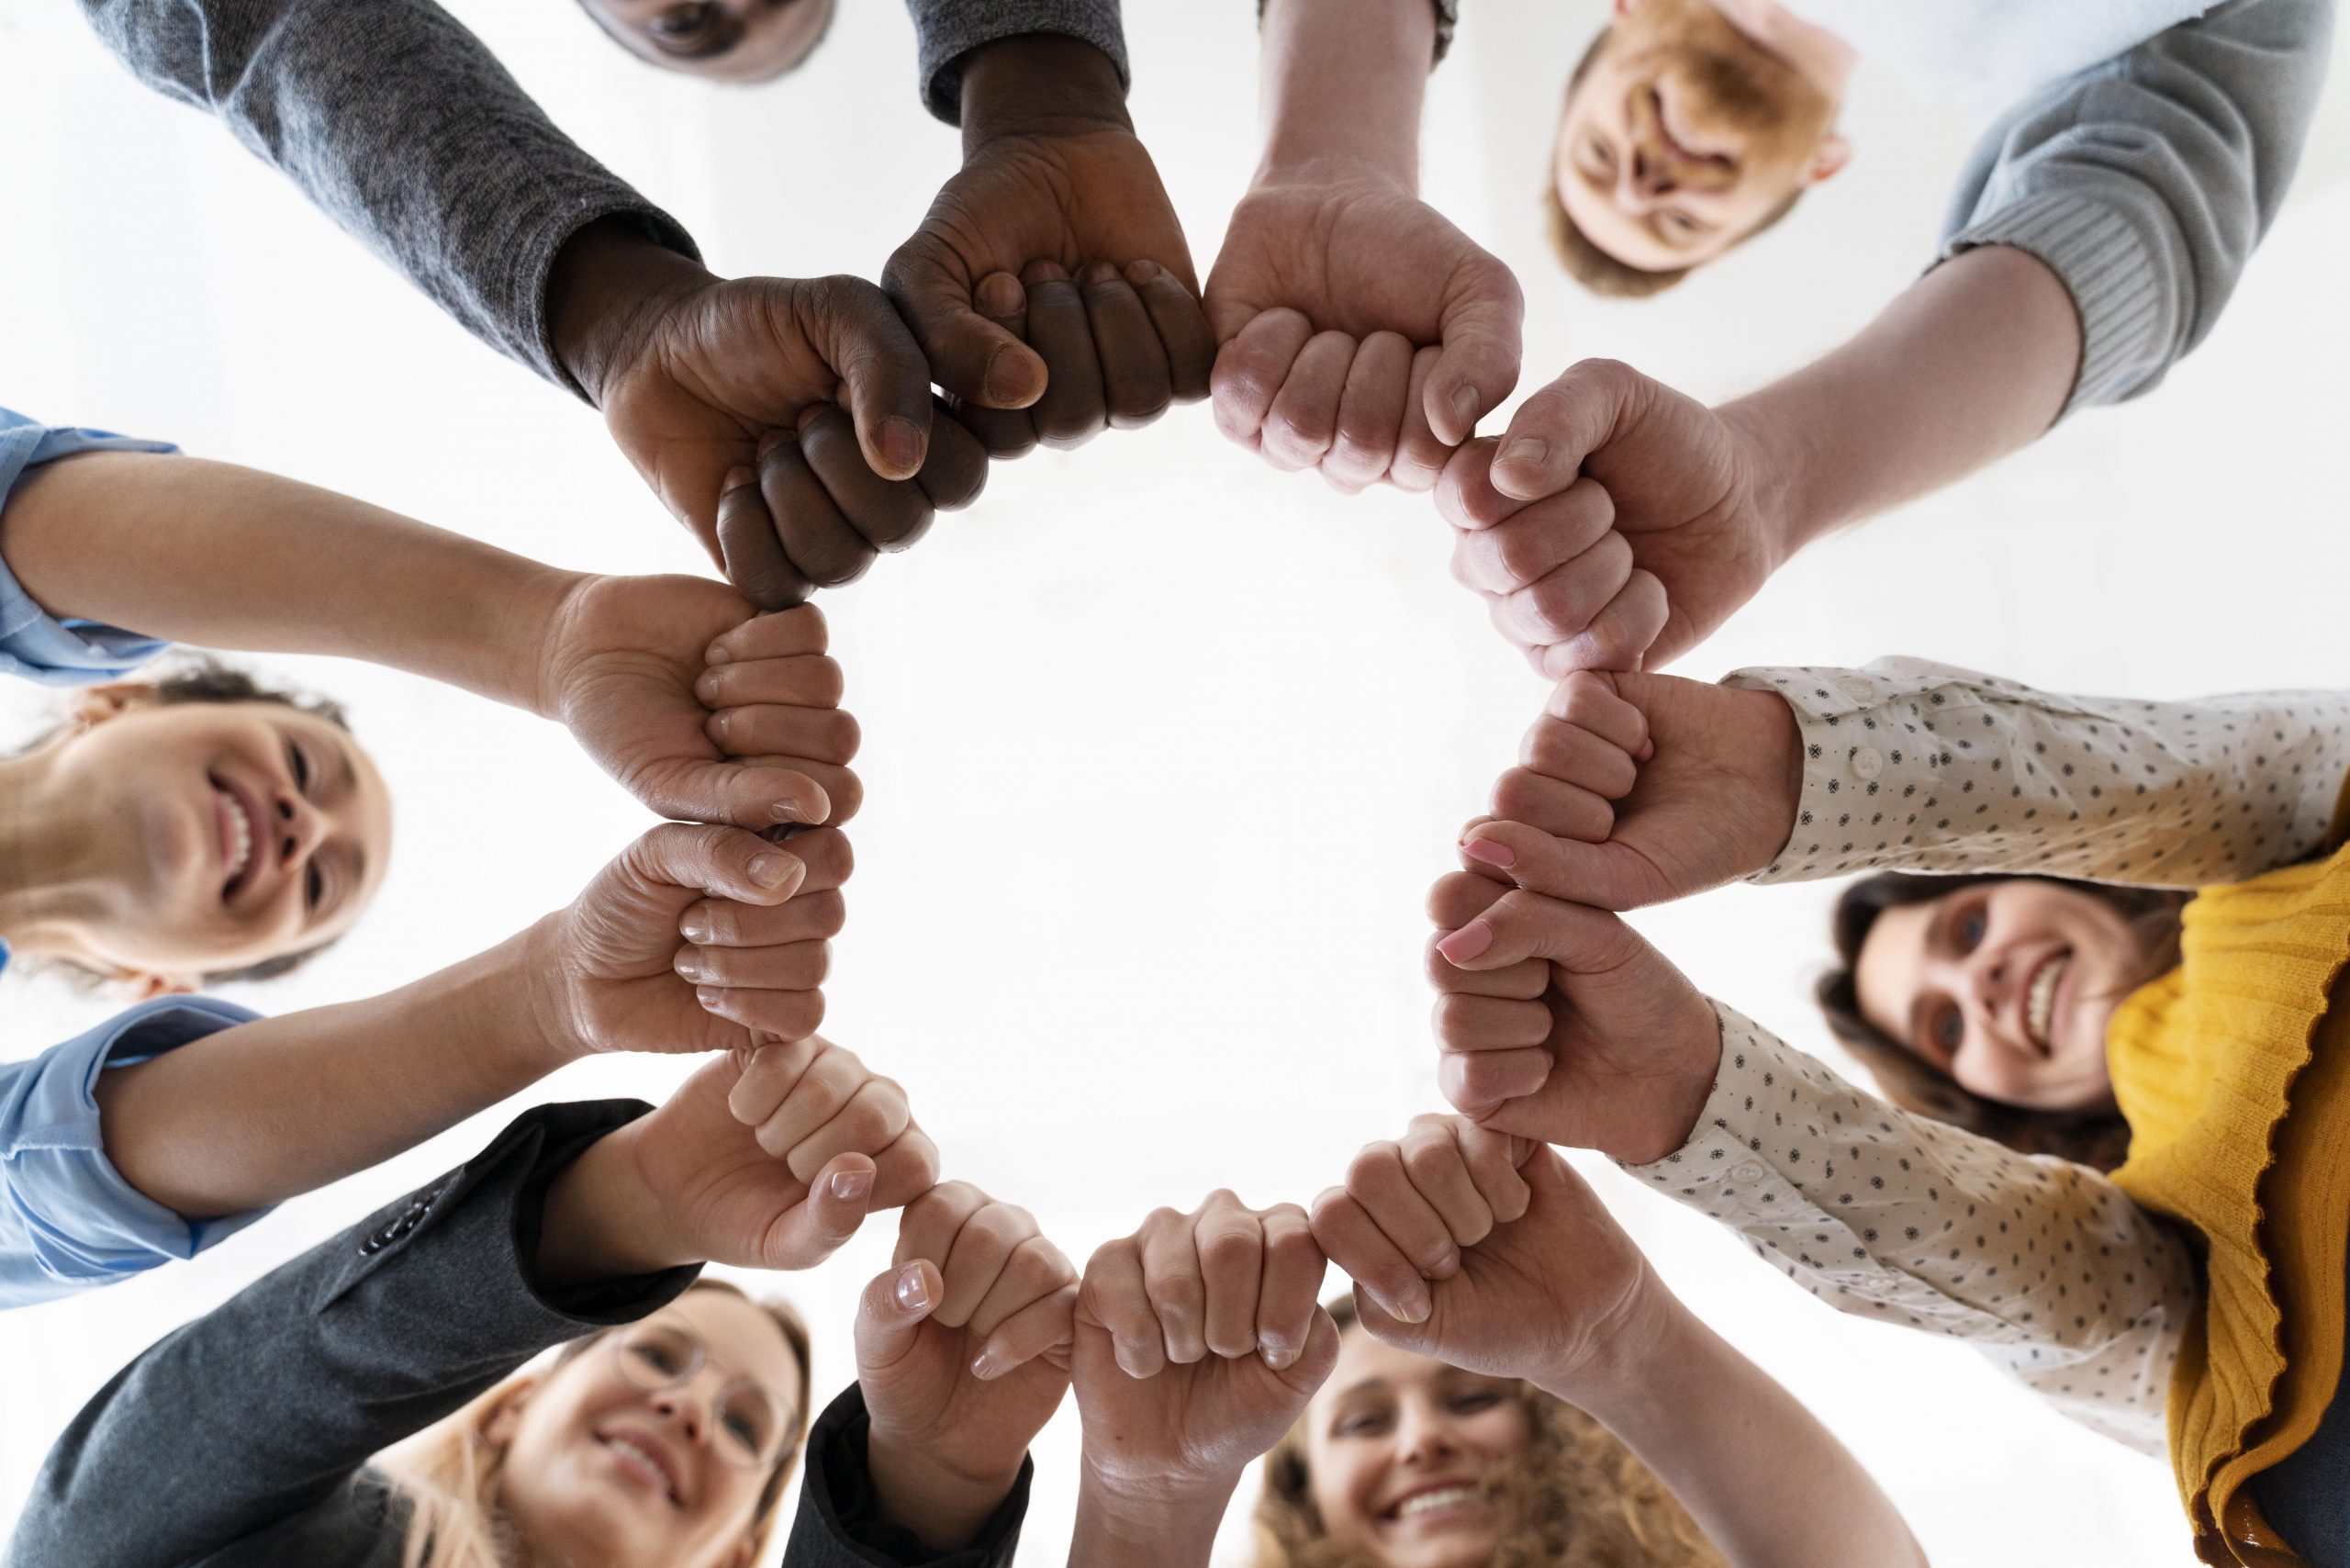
x=405 y=129
x=242 y=1440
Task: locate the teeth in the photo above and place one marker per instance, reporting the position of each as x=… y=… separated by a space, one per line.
x=644 y=1457
x=1429 y=1502
x=244 y=832
x=2040 y=1007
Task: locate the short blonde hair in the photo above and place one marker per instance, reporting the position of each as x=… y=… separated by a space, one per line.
x=1581 y=1499
x=450 y=1473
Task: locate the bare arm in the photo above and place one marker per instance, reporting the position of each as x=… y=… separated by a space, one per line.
x=1347 y=81
x=228 y=557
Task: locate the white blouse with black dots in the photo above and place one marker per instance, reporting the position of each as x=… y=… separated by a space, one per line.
x=2046 y=1267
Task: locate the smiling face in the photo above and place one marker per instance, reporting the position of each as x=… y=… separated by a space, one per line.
x=2005 y=987
x=602 y=1472
x=1405 y=1456
x=1685 y=135
x=212 y=836
x=725 y=41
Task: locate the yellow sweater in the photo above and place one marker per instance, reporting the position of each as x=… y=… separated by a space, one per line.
x=2234 y=1075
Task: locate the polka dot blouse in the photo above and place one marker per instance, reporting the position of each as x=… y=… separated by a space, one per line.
x=2046 y=1268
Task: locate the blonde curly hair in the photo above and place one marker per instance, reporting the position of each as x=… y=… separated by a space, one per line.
x=1579 y=1499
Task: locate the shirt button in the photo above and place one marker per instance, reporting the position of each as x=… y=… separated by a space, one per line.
x=1859 y=691
x=1867 y=762
x=1747 y=1171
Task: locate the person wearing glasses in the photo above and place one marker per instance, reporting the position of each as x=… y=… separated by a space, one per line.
x=365 y=1404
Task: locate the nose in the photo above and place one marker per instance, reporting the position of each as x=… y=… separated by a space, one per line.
x=1423 y=1436
x=687 y=1405
x=1988 y=972
x=299 y=828
x=1650 y=172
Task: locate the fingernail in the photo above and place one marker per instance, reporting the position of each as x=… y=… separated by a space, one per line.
x=911 y=1291
x=1467 y=942
x=1142 y=272
x=776 y=436
x=983 y=1365
x=716 y=654
x=1465 y=403
x=1525 y=449
x=1278 y=1356
x=902 y=444
x=774 y=870
x=1007 y=377
x=709 y=995
x=691 y=967
x=720 y=723
x=1100 y=272
x=1416 y=1306
x=1648 y=750
x=1001 y=293
x=736 y=478
x=851 y=1185
x=1125 y=1360
x=695 y=927
x=1492 y=851
x=790 y=810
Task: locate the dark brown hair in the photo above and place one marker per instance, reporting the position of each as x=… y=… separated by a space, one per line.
x=1586 y=262
x=1581 y=1499
x=2099 y=1140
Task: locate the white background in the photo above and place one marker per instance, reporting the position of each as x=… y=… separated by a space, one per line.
x=1162 y=747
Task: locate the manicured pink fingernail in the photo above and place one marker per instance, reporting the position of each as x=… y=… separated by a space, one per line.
x=1467 y=942
x=1492 y=851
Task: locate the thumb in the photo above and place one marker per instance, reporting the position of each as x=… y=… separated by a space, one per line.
x=1483 y=343
x=815 y=1227
x=885 y=377
x=721 y=862
x=970 y=357
x=751 y=795
x=1555 y=429
x=1521 y=926
x=893 y=1308
x=1389 y=1330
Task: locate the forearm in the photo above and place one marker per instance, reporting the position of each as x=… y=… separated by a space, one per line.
x=1113 y=1531
x=256 y=1114
x=1040 y=83
x=945 y=1509
x=1974 y=361
x=1345 y=79
x=1767 y=1482
x=229 y=558
x=602 y=1221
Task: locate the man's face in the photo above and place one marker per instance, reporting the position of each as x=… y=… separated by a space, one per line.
x=725 y=41
x=1685 y=135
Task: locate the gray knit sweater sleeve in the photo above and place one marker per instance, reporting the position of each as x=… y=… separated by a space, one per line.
x=949 y=29
x=405 y=129
x=2147 y=180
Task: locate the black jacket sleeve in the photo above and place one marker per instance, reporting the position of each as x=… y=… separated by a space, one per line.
x=840 y=1524
x=265 y=1406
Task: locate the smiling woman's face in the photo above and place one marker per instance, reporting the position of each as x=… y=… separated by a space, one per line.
x=601 y=1472
x=1403 y=1455
x=725 y=41
x=2005 y=987
x=216 y=835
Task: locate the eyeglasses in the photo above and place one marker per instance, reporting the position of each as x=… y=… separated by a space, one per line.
x=749 y=1423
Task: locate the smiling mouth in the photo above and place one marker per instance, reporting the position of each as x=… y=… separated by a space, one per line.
x=1433 y=1500
x=643 y=1463
x=239 y=835
x=2039 y=999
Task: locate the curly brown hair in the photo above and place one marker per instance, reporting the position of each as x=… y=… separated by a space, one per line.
x=1581 y=1499
x=2098 y=1138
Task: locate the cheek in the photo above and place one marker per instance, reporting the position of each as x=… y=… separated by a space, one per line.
x=1339 y=1486
x=1501 y=1433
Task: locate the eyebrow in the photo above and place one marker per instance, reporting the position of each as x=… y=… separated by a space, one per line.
x=710 y=48
x=1937 y=935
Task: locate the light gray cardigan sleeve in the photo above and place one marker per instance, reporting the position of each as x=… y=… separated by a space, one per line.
x=265 y=1407
x=2147 y=180
x=949 y=29
x=404 y=127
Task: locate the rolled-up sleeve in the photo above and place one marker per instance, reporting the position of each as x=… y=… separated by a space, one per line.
x=949 y=29
x=68 y=1220
x=2147 y=180
x=34 y=644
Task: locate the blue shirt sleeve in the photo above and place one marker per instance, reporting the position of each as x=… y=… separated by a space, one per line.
x=34 y=644
x=68 y=1220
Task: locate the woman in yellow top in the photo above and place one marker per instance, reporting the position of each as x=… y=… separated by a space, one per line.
x=2196 y=1295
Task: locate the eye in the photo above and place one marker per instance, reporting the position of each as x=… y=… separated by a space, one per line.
x=1475 y=1399
x=1359 y=1425
x=1947 y=1029
x=1679 y=222
x=684 y=24
x=298 y=761
x=745 y=1430
x=657 y=1356
x=1966 y=932
x=314 y=886
x=1598 y=154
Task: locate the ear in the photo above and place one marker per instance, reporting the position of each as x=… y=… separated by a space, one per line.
x=1832 y=153
x=93 y=705
x=498 y=1430
x=144 y=986
x=1624 y=7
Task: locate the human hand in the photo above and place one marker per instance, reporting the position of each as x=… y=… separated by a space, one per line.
x=963 y=1352
x=711 y=384
x=626 y=666
x=1050 y=275
x=1634 y=789
x=1199 y=1340
x=690 y=1183
x=1489 y=1254
x=1615 y=522
x=697 y=938
x=1359 y=331
x=1559 y=1022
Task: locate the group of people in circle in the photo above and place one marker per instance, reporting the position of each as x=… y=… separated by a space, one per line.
x=2090 y=964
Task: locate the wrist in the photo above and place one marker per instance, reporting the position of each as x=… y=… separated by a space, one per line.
x=602 y=1220
x=549 y=1027
x=1628 y=1352
x=943 y=1507
x=1165 y=1521
x=1040 y=85
x=1679 y=1096
x=608 y=284
x=1774 y=461
x=1346 y=81
x=541 y=652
